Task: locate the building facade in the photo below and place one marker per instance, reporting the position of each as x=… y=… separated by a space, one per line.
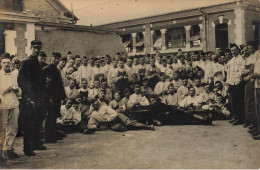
x=49 y=21
x=18 y=19
x=200 y=29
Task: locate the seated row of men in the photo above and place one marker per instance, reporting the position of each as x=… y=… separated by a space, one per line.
x=166 y=103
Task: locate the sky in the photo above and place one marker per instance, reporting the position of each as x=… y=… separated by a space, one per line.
x=98 y=12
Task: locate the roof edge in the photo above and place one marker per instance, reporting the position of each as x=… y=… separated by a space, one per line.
x=189 y=9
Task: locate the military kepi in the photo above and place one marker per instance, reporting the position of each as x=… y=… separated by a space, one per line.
x=36 y=43
x=56 y=55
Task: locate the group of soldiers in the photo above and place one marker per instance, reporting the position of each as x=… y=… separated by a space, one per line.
x=85 y=94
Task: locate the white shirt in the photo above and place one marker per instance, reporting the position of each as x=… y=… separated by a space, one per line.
x=172 y=99
x=175 y=66
x=71 y=93
x=167 y=71
x=8 y=100
x=202 y=64
x=199 y=90
x=137 y=98
x=208 y=96
x=195 y=100
x=177 y=83
x=161 y=86
x=93 y=92
x=182 y=90
x=104 y=113
x=15 y=72
x=129 y=71
x=68 y=114
x=257 y=70
x=235 y=69
x=85 y=72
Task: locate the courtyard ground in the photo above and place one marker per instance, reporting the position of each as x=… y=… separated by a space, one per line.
x=190 y=146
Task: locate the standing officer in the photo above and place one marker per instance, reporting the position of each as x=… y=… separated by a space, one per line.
x=31 y=81
x=55 y=94
x=235 y=68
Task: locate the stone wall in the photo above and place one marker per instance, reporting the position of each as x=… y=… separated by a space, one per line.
x=82 y=43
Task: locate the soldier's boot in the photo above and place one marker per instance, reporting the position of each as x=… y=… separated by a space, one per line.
x=28 y=149
x=2 y=158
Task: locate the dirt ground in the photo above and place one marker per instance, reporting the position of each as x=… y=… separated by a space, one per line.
x=219 y=146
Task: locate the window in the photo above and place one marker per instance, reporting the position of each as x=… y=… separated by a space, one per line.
x=127 y=42
x=221 y=31
x=195 y=36
x=176 y=37
x=139 y=42
x=157 y=44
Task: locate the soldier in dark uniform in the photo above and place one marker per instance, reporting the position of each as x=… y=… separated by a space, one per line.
x=31 y=81
x=55 y=94
x=42 y=59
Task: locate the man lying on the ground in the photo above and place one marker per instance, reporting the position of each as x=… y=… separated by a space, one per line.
x=158 y=111
x=104 y=115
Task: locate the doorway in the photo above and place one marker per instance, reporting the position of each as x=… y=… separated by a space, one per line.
x=221 y=36
x=2 y=39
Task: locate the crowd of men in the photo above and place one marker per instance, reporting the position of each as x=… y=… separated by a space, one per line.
x=86 y=93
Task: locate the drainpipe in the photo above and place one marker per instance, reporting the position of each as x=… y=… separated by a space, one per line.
x=205 y=25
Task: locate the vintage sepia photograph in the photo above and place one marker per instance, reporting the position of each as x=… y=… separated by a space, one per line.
x=129 y=84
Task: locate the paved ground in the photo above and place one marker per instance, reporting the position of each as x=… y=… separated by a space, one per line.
x=218 y=146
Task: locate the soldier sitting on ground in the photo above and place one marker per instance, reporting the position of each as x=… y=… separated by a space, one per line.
x=191 y=105
x=70 y=117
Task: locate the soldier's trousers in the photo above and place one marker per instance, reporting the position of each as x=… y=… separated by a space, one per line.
x=237 y=101
x=250 y=102
x=31 y=123
x=50 y=125
x=257 y=104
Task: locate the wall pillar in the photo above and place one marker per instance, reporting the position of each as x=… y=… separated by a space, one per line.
x=202 y=37
x=145 y=44
x=240 y=25
x=10 y=47
x=147 y=40
x=164 y=39
x=152 y=39
x=188 y=28
x=29 y=36
x=20 y=41
x=134 y=41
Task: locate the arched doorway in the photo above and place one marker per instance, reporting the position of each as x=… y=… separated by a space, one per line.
x=221 y=31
